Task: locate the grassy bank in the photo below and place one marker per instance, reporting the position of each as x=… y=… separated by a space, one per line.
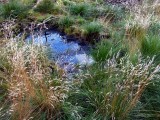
x=123 y=83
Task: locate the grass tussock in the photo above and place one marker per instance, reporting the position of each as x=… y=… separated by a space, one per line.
x=79 y=9
x=45 y=6
x=142 y=17
x=150 y=46
x=31 y=91
x=66 y=21
x=113 y=89
x=102 y=51
x=92 y=31
x=14 y=9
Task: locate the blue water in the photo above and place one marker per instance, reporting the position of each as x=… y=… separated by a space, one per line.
x=66 y=53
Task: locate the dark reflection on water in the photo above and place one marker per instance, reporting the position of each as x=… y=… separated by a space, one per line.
x=66 y=52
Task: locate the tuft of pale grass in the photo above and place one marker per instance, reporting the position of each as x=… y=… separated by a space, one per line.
x=111 y=90
x=141 y=17
x=31 y=90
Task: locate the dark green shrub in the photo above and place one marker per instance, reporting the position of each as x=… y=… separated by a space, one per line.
x=45 y=6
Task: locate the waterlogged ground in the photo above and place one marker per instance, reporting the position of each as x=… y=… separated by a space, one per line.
x=68 y=53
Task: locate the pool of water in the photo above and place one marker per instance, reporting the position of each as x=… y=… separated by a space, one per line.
x=68 y=53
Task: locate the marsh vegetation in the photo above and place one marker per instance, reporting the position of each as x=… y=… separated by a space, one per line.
x=122 y=83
